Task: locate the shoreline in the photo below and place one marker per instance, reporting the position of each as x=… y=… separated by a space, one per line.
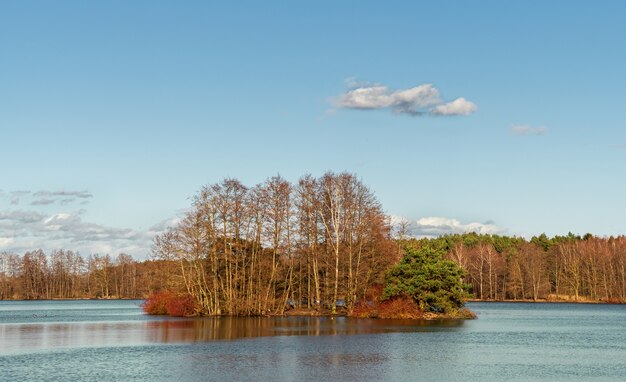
x=74 y=299
x=317 y=313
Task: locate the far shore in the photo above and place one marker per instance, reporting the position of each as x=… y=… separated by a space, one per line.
x=77 y=299
x=550 y=301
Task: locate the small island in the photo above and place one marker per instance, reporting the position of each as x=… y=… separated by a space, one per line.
x=320 y=247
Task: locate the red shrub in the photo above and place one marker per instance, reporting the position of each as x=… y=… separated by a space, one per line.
x=170 y=303
x=398 y=307
x=155 y=303
x=181 y=306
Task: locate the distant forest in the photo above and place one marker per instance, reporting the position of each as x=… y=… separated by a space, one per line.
x=561 y=268
x=65 y=274
x=322 y=243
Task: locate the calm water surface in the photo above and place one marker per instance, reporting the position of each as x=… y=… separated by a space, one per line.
x=114 y=341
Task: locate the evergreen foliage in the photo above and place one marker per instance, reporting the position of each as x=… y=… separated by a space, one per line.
x=424 y=275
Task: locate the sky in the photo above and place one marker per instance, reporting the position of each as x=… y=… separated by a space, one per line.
x=491 y=116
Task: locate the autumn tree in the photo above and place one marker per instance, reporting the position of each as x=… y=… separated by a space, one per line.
x=277 y=246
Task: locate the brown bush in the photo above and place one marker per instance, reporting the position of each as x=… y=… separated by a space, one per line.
x=365 y=310
x=368 y=307
x=399 y=307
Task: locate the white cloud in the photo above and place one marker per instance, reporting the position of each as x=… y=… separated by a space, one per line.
x=14 y=196
x=63 y=193
x=22 y=230
x=45 y=197
x=415 y=101
x=62 y=220
x=371 y=97
x=42 y=202
x=6 y=241
x=434 y=226
x=459 y=106
x=527 y=130
x=165 y=224
x=52 y=224
x=20 y=217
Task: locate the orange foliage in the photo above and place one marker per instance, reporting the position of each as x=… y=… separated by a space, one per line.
x=399 y=307
x=181 y=306
x=170 y=303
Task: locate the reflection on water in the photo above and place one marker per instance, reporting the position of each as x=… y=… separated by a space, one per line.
x=209 y=329
x=19 y=338
x=113 y=341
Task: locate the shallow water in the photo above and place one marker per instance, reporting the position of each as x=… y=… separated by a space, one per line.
x=113 y=340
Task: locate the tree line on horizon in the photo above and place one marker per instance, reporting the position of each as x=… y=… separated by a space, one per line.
x=562 y=268
x=65 y=274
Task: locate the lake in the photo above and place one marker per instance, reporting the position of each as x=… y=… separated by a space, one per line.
x=114 y=341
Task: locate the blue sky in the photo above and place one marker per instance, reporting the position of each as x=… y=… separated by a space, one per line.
x=112 y=114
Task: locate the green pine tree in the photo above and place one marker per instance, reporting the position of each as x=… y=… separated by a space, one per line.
x=423 y=274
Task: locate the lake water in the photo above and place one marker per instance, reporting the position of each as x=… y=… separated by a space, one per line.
x=114 y=341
